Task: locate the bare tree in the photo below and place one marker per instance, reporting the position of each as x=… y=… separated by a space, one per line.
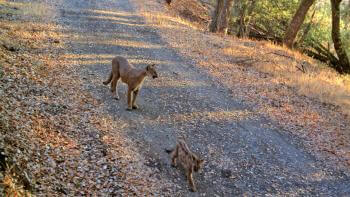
x=296 y=22
x=344 y=65
x=221 y=16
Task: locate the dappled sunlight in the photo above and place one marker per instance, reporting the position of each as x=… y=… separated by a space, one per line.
x=113 y=13
x=29 y=9
x=88 y=56
x=129 y=24
x=88 y=59
x=176 y=83
x=129 y=43
x=45 y=133
x=30 y=39
x=135 y=61
x=167 y=21
x=287 y=52
x=28 y=31
x=115 y=18
x=111 y=17
x=216 y=116
x=106 y=59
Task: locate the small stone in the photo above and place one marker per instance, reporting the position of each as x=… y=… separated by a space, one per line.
x=226 y=173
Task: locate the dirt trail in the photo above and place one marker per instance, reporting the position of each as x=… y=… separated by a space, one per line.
x=243 y=153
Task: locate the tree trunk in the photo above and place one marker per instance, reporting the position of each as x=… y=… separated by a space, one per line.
x=221 y=16
x=307 y=29
x=344 y=65
x=346 y=18
x=217 y=14
x=241 y=22
x=296 y=22
x=245 y=10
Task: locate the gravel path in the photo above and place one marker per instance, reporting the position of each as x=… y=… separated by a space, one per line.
x=244 y=154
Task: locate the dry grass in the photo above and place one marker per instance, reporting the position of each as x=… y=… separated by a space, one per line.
x=327 y=86
x=162 y=20
x=191 y=10
x=318 y=81
x=173 y=19
x=27 y=10
x=12 y=185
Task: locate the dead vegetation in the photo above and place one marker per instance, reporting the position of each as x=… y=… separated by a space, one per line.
x=22 y=72
x=191 y=10
x=309 y=77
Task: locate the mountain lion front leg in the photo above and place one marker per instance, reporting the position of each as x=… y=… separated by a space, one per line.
x=190 y=180
x=130 y=95
x=134 y=106
x=114 y=86
x=174 y=156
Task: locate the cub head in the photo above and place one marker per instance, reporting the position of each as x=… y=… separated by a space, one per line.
x=151 y=71
x=198 y=163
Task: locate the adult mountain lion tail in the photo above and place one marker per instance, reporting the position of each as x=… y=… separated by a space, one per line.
x=168 y=151
x=109 y=79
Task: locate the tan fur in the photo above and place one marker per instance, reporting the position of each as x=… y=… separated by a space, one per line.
x=188 y=160
x=133 y=77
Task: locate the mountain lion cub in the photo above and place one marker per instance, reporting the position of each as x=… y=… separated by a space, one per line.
x=133 y=77
x=189 y=161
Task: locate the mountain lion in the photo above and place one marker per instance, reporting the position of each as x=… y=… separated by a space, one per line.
x=188 y=160
x=133 y=77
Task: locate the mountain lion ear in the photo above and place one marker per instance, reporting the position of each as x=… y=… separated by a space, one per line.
x=147 y=68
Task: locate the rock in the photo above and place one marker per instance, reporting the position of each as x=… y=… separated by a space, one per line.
x=226 y=173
